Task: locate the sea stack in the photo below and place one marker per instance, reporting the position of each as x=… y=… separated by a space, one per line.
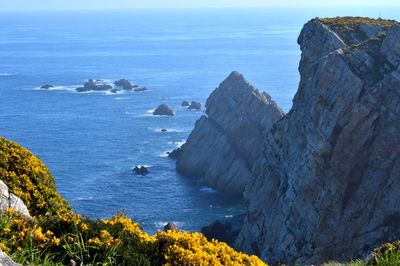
x=164 y=109
x=224 y=144
x=326 y=186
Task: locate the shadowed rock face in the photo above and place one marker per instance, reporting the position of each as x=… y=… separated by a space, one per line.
x=223 y=146
x=327 y=184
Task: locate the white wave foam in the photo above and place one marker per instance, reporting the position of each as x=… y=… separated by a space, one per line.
x=229 y=216
x=150 y=113
x=120 y=98
x=84 y=198
x=164 y=154
x=176 y=98
x=6 y=74
x=180 y=143
x=208 y=190
x=70 y=88
x=113 y=93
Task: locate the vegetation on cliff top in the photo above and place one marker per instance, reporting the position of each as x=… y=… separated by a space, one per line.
x=57 y=235
x=347 y=23
x=28 y=178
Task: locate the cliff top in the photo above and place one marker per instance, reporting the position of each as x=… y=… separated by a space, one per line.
x=353 y=30
x=345 y=23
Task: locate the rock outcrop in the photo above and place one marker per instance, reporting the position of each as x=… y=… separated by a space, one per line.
x=46 y=86
x=6 y=260
x=92 y=85
x=223 y=146
x=140 y=170
x=327 y=184
x=125 y=84
x=9 y=200
x=164 y=109
x=195 y=106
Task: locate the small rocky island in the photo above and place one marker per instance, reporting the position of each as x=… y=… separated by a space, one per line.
x=164 y=109
x=92 y=85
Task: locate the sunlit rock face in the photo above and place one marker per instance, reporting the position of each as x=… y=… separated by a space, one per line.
x=6 y=260
x=9 y=200
x=327 y=184
x=225 y=143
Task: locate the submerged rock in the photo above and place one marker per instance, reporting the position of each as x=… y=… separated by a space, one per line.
x=326 y=186
x=115 y=90
x=140 y=170
x=164 y=109
x=47 y=86
x=185 y=104
x=223 y=146
x=195 y=106
x=91 y=85
x=139 y=89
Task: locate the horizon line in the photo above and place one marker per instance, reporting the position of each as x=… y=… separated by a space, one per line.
x=197 y=8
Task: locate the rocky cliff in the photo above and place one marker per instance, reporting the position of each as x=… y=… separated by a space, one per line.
x=223 y=146
x=327 y=183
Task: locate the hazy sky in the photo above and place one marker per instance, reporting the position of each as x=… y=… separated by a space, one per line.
x=124 y=4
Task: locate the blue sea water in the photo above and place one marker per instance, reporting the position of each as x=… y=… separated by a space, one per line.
x=91 y=141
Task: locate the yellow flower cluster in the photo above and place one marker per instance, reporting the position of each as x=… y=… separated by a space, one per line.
x=127 y=225
x=55 y=230
x=18 y=230
x=104 y=240
x=183 y=248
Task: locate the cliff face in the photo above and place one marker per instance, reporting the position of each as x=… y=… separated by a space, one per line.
x=327 y=183
x=223 y=146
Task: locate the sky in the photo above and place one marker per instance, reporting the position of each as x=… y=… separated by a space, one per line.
x=22 y=5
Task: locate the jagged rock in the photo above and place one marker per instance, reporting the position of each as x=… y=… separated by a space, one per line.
x=124 y=83
x=140 y=170
x=175 y=153
x=6 y=260
x=195 y=106
x=139 y=89
x=223 y=146
x=185 y=104
x=164 y=109
x=170 y=226
x=326 y=186
x=9 y=200
x=91 y=85
x=47 y=86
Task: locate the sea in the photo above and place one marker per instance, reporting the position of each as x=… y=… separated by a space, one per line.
x=91 y=141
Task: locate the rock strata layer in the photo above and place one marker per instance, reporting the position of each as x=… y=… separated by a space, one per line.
x=223 y=146
x=327 y=184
